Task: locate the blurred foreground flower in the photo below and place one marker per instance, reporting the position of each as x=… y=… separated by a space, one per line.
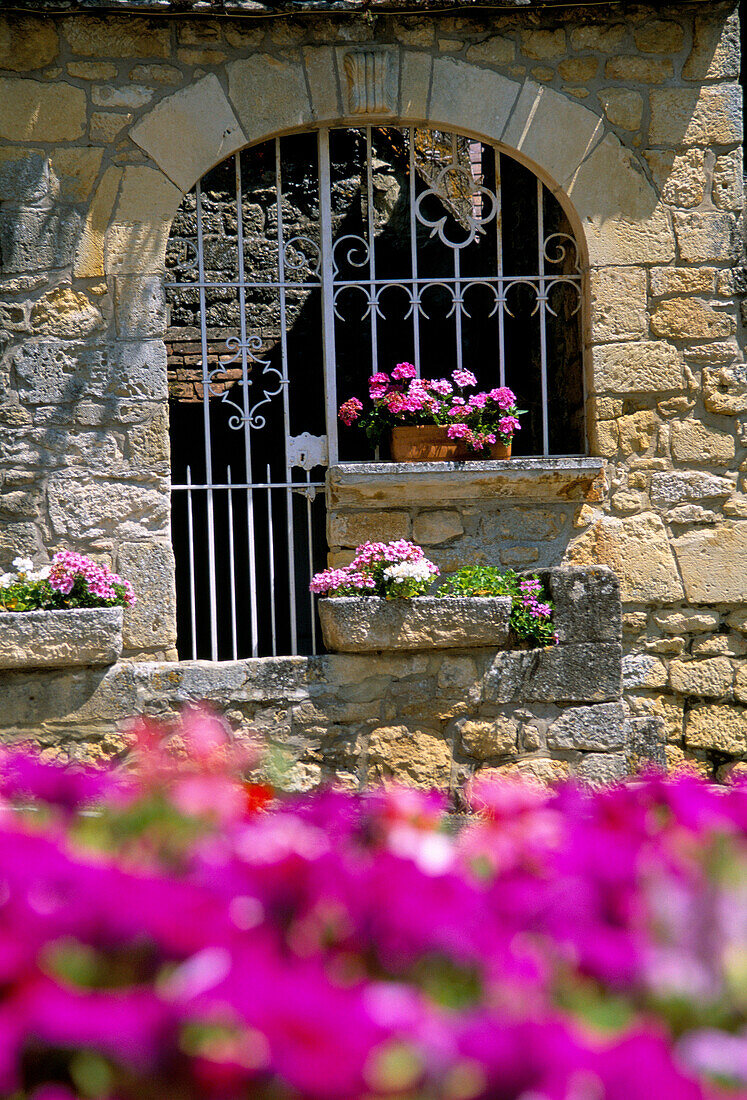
x=199 y=938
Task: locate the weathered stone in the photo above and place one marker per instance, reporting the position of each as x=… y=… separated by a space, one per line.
x=638 y=550
x=66 y=313
x=189 y=131
x=135 y=241
x=268 y=94
x=139 y=307
x=728 y=182
x=664 y=709
x=622 y=107
x=433 y=528
x=93 y=70
x=87 y=509
x=639 y=70
x=462 y=91
x=641 y=670
x=681 y=280
x=543 y=45
x=686 y=179
x=733 y=772
x=719 y=645
x=521 y=523
x=37 y=239
x=725 y=389
x=712 y=677
x=60 y=639
x=578 y=69
x=719 y=727
x=740 y=683
x=153 y=74
x=538 y=768
x=637 y=368
x=58 y=373
x=539 y=115
x=583 y=673
x=695 y=442
x=738 y=620
x=690 y=319
x=713 y=563
x=618 y=303
x=706 y=236
x=723 y=352
x=105 y=126
x=689 y=621
x=659 y=36
x=715 y=52
x=35 y=111
x=131 y=97
x=484 y=738
x=27 y=42
x=495 y=50
x=362 y=624
x=415 y=755
x=24 y=176
x=149 y=567
x=596 y=728
x=353 y=528
x=586 y=603
x=76 y=171
x=117 y=36
x=709 y=116
x=600 y=769
x=603 y=36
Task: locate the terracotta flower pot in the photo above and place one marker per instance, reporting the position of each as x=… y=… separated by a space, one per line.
x=431 y=443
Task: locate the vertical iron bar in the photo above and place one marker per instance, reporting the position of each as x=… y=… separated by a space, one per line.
x=328 y=291
x=286 y=403
x=499 y=272
x=245 y=401
x=543 y=316
x=271 y=548
x=232 y=567
x=457 y=272
x=372 y=290
x=191 y=542
x=311 y=561
x=207 y=436
x=414 y=255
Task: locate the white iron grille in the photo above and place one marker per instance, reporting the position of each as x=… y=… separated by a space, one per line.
x=451 y=208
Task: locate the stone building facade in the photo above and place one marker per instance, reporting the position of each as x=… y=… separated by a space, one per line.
x=630 y=113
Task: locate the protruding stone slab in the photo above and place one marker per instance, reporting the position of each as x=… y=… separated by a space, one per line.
x=60 y=639
x=366 y=624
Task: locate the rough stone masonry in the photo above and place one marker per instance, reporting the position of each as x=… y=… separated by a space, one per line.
x=631 y=112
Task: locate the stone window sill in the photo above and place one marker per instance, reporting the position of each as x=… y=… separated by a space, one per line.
x=538 y=480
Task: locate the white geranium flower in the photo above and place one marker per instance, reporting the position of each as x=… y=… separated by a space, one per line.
x=408 y=571
x=40 y=574
x=7 y=579
x=23 y=565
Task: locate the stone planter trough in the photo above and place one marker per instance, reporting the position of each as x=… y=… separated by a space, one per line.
x=60 y=639
x=367 y=624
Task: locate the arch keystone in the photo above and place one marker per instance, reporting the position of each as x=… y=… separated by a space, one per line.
x=270 y=95
x=190 y=131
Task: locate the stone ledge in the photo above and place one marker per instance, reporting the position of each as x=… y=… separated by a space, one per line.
x=364 y=625
x=547 y=480
x=60 y=639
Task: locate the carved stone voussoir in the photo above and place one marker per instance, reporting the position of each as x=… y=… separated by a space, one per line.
x=371 y=79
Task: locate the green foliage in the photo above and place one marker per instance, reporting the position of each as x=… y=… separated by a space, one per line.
x=531 y=612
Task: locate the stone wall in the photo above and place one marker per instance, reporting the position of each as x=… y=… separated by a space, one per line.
x=107 y=122
x=426 y=718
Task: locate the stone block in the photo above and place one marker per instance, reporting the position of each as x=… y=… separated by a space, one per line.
x=364 y=624
x=415 y=85
x=537 y=768
x=486 y=738
x=740 y=683
x=66 y=313
x=639 y=70
x=117 y=36
x=76 y=170
x=353 y=528
x=18 y=539
x=645 y=367
x=269 y=94
x=685 y=182
x=188 y=132
x=321 y=72
x=36 y=111
x=678 y=487
x=433 y=528
x=690 y=319
x=539 y=116
x=130 y=97
x=666 y=711
x=619 y=298
x=24 y=176
x=681 y=280
x=687 y=621
x=37 y=240
x=705 y=236
x=94 y=70
x=586 y=603
x=149 y=567
x=713 y=563
x=470 y=97
x=106 y=126
x=599 y=728
x=604 y=37
x=152 y=74
x=87 y=509
x=712 y=677
x=578 y=70
x=622 y=107
x=728 y=182
x=708 y=116
x=601 y=769
x=135 y=242
x=659 y=36
x=642 y=670
x=519 y=523
x=60 y=639
x=638 y=550
x=725 y=390
x=696 y=443
x=415 y=755
x=581 y=673
x=717 y=727
x=715 y=52
x=27 y=42
x=543 y=45
x=89 y=256
x=495 y=50
x=72 y=701
x=139 y=306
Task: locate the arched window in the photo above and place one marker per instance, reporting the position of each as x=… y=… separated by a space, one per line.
x=297 y=268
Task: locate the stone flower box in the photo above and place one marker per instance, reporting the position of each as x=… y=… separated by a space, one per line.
x=367 y=624
x=60 y=639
